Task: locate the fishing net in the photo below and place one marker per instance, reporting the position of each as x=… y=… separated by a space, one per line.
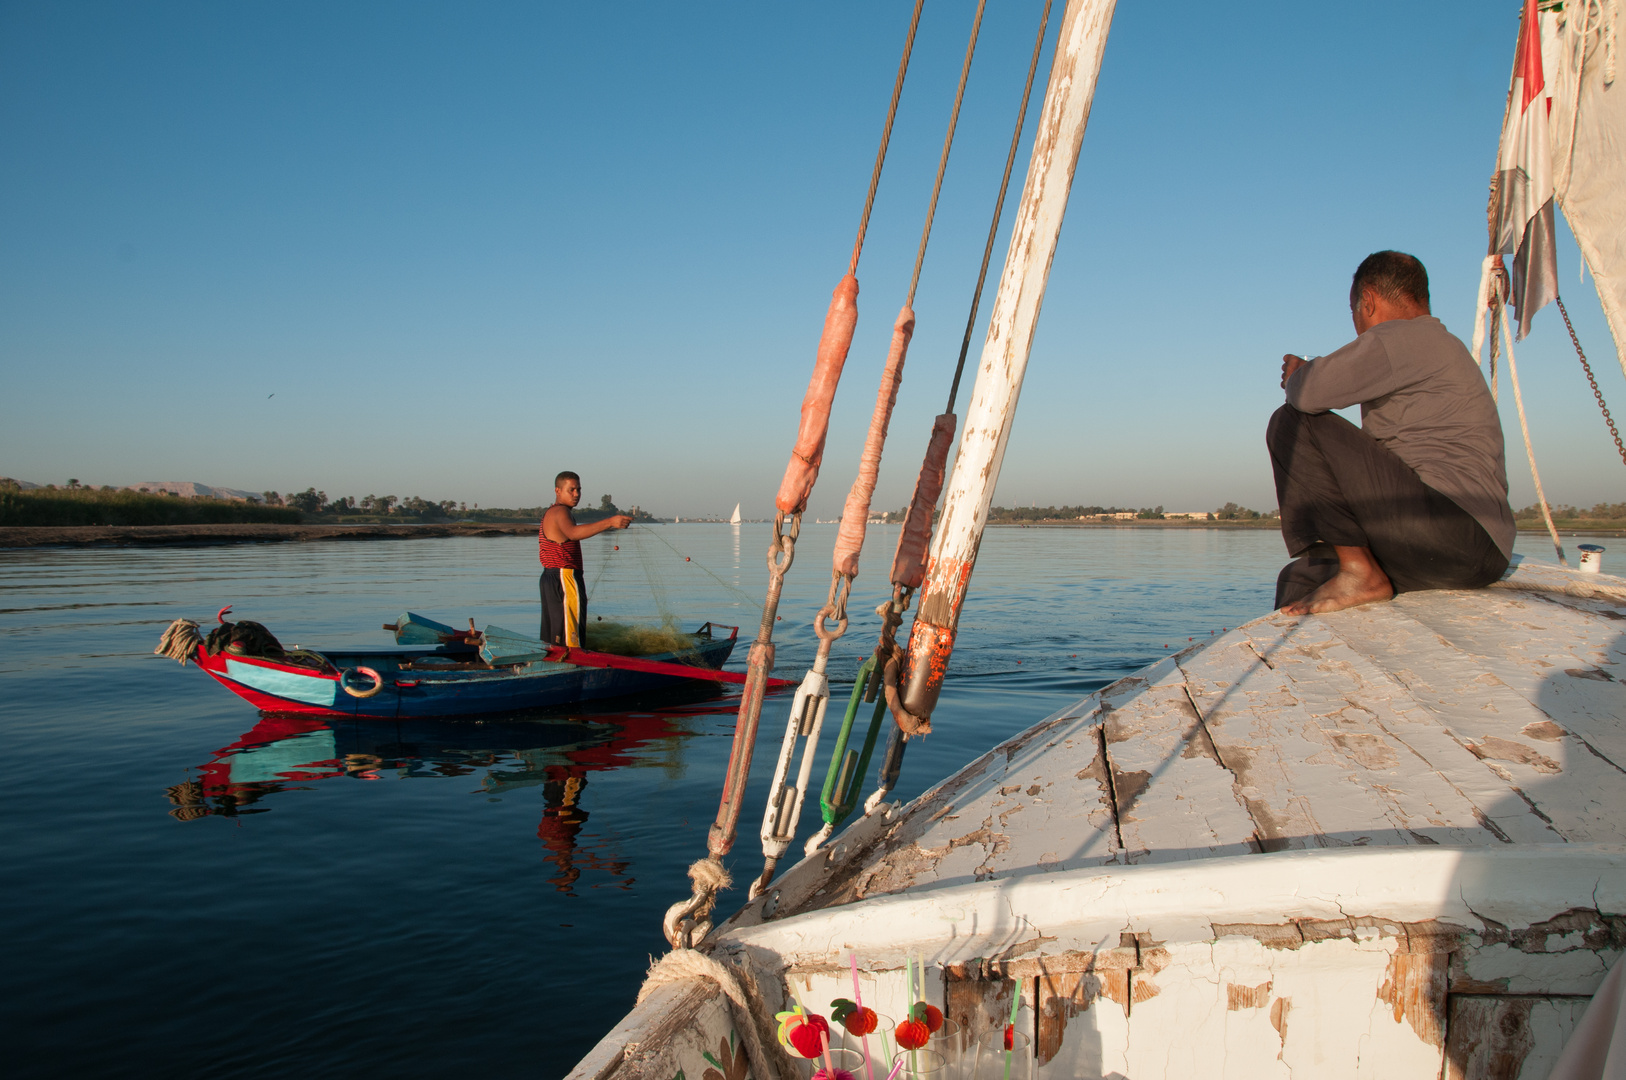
x=614 y=588
x=633 y=639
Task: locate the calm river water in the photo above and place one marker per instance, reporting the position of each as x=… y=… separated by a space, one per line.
x=382 y=899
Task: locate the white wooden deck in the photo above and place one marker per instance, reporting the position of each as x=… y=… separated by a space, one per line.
x=1389 y=841
x=1466 y=719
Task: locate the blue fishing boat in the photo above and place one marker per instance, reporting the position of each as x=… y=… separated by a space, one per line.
x=437 y=670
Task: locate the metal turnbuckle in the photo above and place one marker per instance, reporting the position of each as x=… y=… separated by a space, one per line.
x=784 y=809
x=845 y=776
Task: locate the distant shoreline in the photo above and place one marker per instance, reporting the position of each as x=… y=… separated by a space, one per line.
x=155 y=535
x=1274 y=525
x=162 y=535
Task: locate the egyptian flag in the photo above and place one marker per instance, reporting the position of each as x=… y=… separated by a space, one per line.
x=1524 y=181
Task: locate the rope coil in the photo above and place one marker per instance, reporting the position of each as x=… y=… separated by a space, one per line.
x=748 y=1012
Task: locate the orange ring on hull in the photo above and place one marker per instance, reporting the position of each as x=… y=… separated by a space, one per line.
x=344 y=681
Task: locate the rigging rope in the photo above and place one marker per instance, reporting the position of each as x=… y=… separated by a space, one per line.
x=1596 y=393
x=783 y=812
x=886 y=136
x=801 y=473
x=1524 y=426
x=948 y=143
x=909 y=561
x=999 y=204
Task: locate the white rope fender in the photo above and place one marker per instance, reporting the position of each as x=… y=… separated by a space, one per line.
x=749 y=1015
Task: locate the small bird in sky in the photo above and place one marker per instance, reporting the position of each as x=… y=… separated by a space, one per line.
x=271 y=395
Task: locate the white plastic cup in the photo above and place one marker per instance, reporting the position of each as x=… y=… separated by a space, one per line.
x=1591 y=558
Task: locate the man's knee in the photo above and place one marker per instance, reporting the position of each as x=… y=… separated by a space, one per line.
x=1283 y=426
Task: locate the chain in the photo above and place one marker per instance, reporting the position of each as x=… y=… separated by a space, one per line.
x=1610 y=420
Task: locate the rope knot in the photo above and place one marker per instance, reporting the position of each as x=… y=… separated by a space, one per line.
x=711 y=875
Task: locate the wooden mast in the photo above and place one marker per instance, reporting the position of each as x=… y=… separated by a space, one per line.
x=1066 y=111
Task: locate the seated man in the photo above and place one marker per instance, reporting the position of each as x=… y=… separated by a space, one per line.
x=1416 y=497
x=559 y=546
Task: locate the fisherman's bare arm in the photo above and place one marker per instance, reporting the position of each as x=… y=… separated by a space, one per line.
x=557 y=526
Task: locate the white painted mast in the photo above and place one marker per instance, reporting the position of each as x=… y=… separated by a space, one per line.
x=1065 y=113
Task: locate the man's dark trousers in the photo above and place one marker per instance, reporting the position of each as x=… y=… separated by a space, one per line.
x=1336 y=485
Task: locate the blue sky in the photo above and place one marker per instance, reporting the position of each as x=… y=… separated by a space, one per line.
x=468 y=245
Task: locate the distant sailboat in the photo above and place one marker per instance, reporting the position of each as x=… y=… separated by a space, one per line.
x=735 y=520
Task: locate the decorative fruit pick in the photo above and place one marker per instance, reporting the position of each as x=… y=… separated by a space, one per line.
x=802 y=1033
x=857 y=1019
x=1010 y=1036
x=912 y=1034
x=930 y=1015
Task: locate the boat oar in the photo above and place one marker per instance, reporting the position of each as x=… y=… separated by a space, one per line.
x=499 y=646
x=564 y=654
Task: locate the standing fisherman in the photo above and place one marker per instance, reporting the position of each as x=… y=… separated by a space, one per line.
x=559 y=546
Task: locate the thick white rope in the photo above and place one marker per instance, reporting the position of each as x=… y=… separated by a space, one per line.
x=181 y=641
x=1524 y=426
x=749 y=1014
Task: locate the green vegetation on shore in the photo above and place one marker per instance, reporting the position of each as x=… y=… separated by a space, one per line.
x=79 y=505
x=1600 y=517
x=317 y=508
x=1230 y=512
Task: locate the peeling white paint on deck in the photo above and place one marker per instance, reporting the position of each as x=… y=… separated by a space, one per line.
x=1365 y=844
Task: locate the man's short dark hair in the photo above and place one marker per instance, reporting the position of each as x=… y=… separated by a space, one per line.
x=559 y=481
x=1393 y=275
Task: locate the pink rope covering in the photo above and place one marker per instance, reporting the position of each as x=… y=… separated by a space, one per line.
x=850 y=540
x=808 y=453
x=909 y=564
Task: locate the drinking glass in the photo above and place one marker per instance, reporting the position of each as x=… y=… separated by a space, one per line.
x=880 y=1045
x=994 y=1062
x=923 y=1064
x=842 y=1060
x=949 y=1040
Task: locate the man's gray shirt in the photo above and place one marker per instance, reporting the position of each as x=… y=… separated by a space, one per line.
x=1423 y=398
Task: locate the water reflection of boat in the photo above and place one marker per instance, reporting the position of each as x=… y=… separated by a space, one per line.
x=555 y=753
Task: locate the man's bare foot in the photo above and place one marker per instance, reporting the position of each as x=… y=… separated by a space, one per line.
x=1359 y=581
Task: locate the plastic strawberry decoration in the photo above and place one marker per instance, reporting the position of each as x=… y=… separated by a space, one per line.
x=930 y=1015
x=912 y=1034
x=856 y=1018
x=803 y=1033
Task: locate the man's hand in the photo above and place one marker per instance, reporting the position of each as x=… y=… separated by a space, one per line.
x=1290 y=364
x=621 y=521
